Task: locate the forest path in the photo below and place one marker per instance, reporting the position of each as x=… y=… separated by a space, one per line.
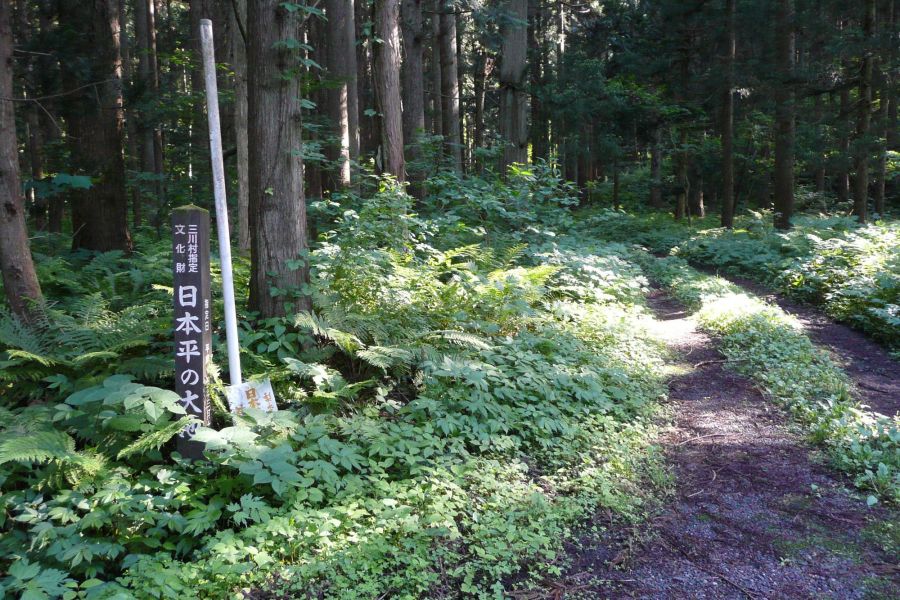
x=754 y=515
x=874 y=372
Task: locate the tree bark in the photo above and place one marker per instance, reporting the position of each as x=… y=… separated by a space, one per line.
x=149 y=134
x=413 y=79
x=892 y=138
x=615 y=198
x=34 y=138
x=20 y=283
x=886 y=103
x=513 y=116
x=132 y=135
x=387 y=57
x=369 y=133
x=682 y=176
x=95 y=121
x=656 y=200
x=819 y=115
x=450 y=87
x=843 y=178
x=47 y=79
x=483 y=67
x=239 y=64
x=341 y=57
x=863 y=118
x=436 y=102
x=697 y=207
x=881 y=170
x=784 y=115
x=460 y=79
x=314 y=169
x=277 y=204
x=728 y=121
x=200 y=164
x=540 y=130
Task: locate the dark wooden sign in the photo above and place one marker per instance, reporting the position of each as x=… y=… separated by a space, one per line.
x=193 y=327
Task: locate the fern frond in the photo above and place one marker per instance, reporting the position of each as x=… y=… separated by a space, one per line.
x=459 y=338
x=511 y=255
x=31 y=357
x=154 y=440
x=320 y=327
x=37 y=446
x=92 y=356
x=385 y=357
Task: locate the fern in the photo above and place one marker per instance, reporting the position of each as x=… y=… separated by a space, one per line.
x=154 y=440
x=347 y=342
x=37 y=446
x=459 y=338
x=385 y=357
x=85 y=337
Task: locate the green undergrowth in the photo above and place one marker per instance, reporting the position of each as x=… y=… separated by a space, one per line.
x=468 y=387
x=769 y=346
x=852 y=271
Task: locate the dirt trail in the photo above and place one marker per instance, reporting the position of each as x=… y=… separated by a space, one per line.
x=754 y=515
x=875 y=373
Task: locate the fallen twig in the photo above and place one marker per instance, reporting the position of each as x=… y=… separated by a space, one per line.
x=712 y=572
x=874 y=388
x=719 y=361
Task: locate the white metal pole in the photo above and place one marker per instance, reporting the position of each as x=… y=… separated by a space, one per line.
x=218 y=168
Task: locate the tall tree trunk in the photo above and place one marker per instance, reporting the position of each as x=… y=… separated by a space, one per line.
x=881 y=169
x=413 y=81
x=150 y=141
x=19 y=278
x=350 y=73
x=35 y=205
x=342 y=70
x=540 y=132
x=892 y=138
x=843 y=178
x=239 y=64
x=728 y=121
x=886 y=102
x=450 y=86
x=199 y=158
x=95 y=123
x=615 y=197
x=784 y=114
x=483 y=67
x=315 y=42
x=132 y=135
x=819 y=115
x=513 y=116
x=47 y=79
x=656 y=200
x=558 y=124
x=436 y=102
x=387 y=57
x=277 y=205
x=697 y=207
x=861 y=152
x=681 y=175
x=369 y=133
x=460 y=81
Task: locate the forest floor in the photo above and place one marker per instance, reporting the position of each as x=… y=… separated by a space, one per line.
x=756 y=513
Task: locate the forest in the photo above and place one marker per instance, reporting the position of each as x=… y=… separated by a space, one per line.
x=527 y=299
